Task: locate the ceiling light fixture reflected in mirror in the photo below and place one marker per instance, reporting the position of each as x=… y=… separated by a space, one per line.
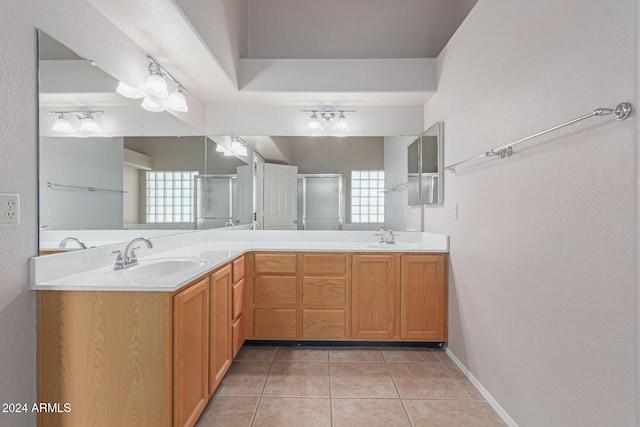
x=62 y=124
x=88 y=123
x=128 y=91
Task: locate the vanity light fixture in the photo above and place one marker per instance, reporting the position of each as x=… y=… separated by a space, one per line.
x=151 y=105
x=238 y=146
x=156 y=85
x=220 y=148
x=87 y=122
x=128 y=91
x=328 y=114
x=62 y=123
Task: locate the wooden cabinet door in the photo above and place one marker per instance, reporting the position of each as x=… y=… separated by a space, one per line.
x=423 y=293
x=373 y=297
x=220 y=329
x=191 y=353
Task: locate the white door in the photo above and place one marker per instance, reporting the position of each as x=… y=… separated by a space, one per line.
x=244 y=215
x=280 y=194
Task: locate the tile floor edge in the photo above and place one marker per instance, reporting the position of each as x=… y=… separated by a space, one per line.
x=493 y=402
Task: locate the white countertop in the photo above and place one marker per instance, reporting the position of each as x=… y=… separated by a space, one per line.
x=93 y=269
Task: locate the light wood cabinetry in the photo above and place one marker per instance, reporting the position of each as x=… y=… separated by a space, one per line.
x=238 y=305
x=324 y=305
x=274 y=296
x=423 y=294
x=374 y=296
x=191 y=353
x=220 y=326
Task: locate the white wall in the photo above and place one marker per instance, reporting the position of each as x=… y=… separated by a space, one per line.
x=398 y=214
x=78 y=25
x=131 y=204
x=543 y=305
x=81 y=162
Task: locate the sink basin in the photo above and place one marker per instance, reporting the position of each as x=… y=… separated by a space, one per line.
x=164 y=266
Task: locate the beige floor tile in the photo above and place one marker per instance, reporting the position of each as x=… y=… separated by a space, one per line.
x=425 y=381
x=298 y=379
x=355 y=355
x=229 y=412
x=490 y=414
x=471 y=390
x=244 y=379
x=364 y=379
x=444 y=413
x=369 y=413
x=302 y=354
x=410 y=355
x=256 y=353
x=294 y=412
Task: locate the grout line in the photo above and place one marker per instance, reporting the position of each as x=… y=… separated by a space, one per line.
x=330 y=396
x=393 y=381
x=264 y=385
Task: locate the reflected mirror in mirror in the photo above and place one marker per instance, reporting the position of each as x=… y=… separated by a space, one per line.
x=425 y=167
x=110 y=164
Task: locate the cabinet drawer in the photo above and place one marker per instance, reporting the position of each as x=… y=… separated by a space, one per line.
x=274 y=323
x=284 y=263
x=237 y=299
x=324 y=292
x=238 y=269
x=323 y=324
x=237 y=334
x=324 y=265
x=274 y=290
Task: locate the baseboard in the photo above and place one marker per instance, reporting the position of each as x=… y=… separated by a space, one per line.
x=483 y=391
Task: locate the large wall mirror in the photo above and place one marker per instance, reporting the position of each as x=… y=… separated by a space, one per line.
x=128 y=168
x=425 y=167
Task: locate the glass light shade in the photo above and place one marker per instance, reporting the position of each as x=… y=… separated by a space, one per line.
x=242 y=151
x=177 y=101
x=314 y=124
x=220 y=148
x=88 y=124
x=236 y=146
x=157 y=86
x=341 y=124
x=62 y=125
x=228 y=153
x=150 y=105
x=128 y=91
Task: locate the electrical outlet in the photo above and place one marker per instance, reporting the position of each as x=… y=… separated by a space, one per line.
x=9 y=209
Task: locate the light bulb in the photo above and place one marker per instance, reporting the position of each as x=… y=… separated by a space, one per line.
x=128 y=91
x=62 y=124
x=341 y=124
x=150 y=105
x=177 y=101
x=157 y=85
x=314 y=124
x=87 y=123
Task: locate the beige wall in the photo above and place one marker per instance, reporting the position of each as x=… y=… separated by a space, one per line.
x=543 y=304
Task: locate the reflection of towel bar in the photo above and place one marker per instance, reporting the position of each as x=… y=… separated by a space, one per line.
x=91 y=189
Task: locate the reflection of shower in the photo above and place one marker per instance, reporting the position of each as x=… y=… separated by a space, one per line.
x=320 y=202
x=216 y=201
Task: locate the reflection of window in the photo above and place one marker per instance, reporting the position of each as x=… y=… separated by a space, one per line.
x=170 y=196
x=367 y=198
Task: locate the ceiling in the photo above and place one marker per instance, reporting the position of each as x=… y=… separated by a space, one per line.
x=295 y=52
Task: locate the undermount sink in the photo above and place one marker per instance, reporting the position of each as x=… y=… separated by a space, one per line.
x=164 y=266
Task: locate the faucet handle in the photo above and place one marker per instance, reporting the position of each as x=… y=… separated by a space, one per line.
x=119 y=264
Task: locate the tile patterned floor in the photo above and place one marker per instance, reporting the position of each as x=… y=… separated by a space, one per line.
x=368 y=387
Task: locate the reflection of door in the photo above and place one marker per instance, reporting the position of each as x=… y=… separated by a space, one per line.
x=280 y=191
x=245 y=195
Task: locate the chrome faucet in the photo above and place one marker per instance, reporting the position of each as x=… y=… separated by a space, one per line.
x=64 y=242
x=127 y=258
x=386 y=236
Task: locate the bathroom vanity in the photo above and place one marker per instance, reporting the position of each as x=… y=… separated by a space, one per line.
x=149 y=346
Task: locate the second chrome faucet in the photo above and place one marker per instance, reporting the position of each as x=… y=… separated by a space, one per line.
x=128 y=258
